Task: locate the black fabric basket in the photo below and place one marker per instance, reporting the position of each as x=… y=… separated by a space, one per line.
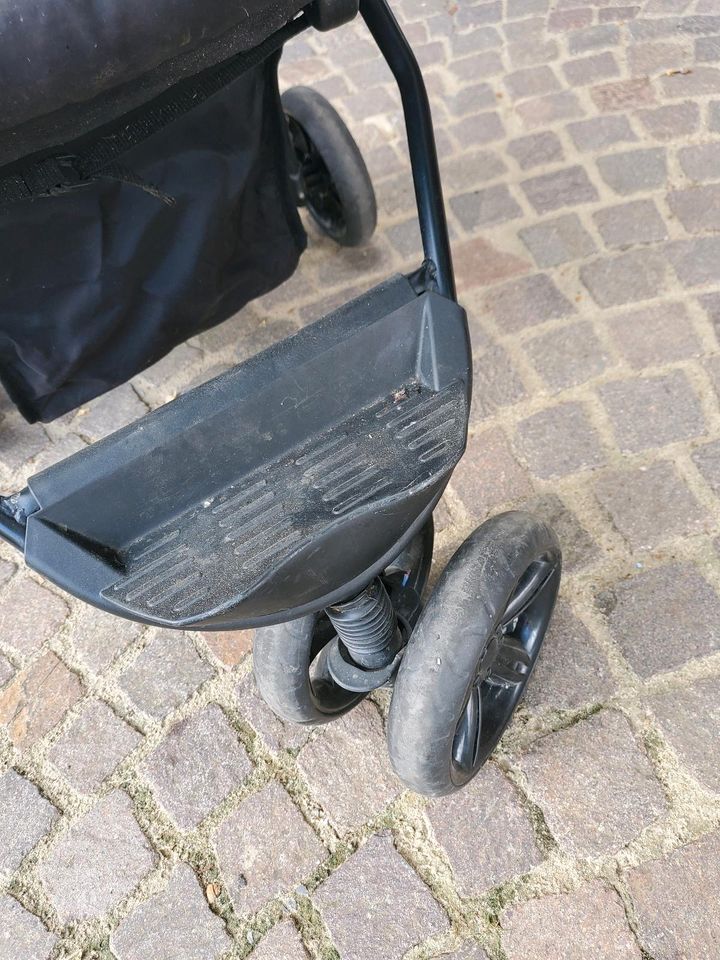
x=189 y=225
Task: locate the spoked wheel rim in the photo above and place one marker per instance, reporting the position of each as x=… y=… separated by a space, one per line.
x=414 y=565
x=505 y=666
x=317 y=190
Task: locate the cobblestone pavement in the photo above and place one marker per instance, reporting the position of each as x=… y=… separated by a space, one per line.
x=151 y=807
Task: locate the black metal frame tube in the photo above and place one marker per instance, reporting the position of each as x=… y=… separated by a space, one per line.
x=397 y=52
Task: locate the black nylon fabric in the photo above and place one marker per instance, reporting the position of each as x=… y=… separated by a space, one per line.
x=99 y=283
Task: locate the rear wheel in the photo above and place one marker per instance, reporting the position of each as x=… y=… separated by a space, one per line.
x=332 y=179
x=472 y=652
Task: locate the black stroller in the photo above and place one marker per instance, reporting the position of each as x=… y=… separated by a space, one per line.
x=149 y=184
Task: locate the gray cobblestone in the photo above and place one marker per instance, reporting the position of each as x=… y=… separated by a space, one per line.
x=98 y=861
x=489 y=806
x=601 y=132
x=282 y=943
x=629 y=224
x=559 y=440
x=175 y=925
x=594 y=784
x=634 y=170
x=676 y=596
x=564 y=188
x=552 y=242
x=376 y=906
x=655 y=335
x=196 y=766
x=536 y=149
x=25 y=817
x=22 y=935
x=637 y=411
x=567 y=357
x=690 y=719
x=527 y=301
x=165 y=674
x=29 y=615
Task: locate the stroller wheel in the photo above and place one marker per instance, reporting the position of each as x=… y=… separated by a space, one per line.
x=290 y=659
x=472 y=653
x=333 y=181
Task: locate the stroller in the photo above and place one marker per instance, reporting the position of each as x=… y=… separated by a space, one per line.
x=150 y=179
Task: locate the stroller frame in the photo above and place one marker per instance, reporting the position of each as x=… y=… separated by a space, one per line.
x=261 y=499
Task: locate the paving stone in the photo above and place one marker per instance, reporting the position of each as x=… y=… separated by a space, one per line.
x=594 y=784
x=638 y=411
x=176 y=924
x=561 y=21
x=578 y=546
x=527 y=301
x=698 y=209
x=629 y=224
x=623 y=94
x=7 y=671
x=587 y=70
x=20 y=442
x=489 y=475
x=601 y=132
x=634 y=170
x=677 y=597
x=536 y=149
x=652 y=59
x=698 y=82
x=559 y=440
x=90 y=750
x=37 y=698
x=469 y=951
x=100 y=637
x=571 y=671
x=593 y=38
x=258 y=863
x=710 y=302
x=567 y=357
x=690 y=719
x=478 y=263
x=481 y=208
x=375 y=905
x=282 y=943
x=696 y=261
x=98 y=861
x=620 y=14
x=650 y=505
x=275 y=733
x=25 y=817
x=542 y=111
x=108 y=413
x=489 y=806
x=196 y=766
x=230 y=646
x=30 y=615
x=707 y=49
x=564 y=188
x=675 y=902
x=713 y=120
x=627 y=278
x=348 y=770
x=672 y=121
x=655 y=335
x=552 y=242
x=22 y=935
x=701 y=161
x=7 y=570
x=707 y=460
x=467 y=171
x=531 y=82
x=496 y=383
x=478 y=129
x=526 y=53
x=589 y=921
x=165 y=674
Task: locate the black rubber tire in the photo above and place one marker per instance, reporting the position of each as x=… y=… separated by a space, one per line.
x=334 y=143
x=283 y=653
x=440 y=665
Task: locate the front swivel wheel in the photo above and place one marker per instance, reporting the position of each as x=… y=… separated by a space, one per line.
x=471 y=654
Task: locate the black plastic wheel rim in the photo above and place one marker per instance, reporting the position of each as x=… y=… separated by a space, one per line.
x=317 y=191
x=505 y=666
x=413 y=566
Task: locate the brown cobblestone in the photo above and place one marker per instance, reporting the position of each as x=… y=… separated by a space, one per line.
x=230 y=646
x=588 y=922
x=37 y=698
x=675 y=901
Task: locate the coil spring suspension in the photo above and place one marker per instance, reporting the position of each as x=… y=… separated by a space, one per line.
x=368 y=627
